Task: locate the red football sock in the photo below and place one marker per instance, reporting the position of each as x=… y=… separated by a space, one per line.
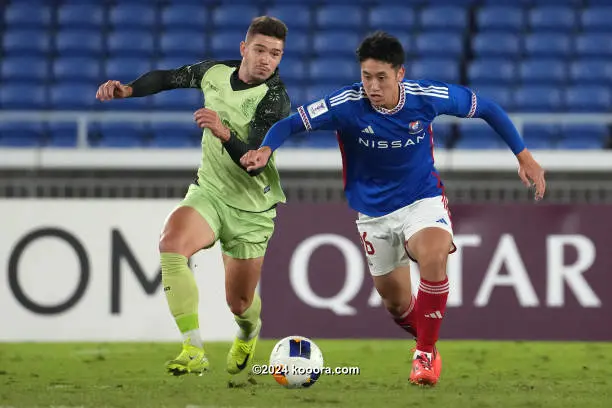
x=408 y=320
x=430 y=307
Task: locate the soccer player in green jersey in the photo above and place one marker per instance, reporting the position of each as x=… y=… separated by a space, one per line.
x=243 y=99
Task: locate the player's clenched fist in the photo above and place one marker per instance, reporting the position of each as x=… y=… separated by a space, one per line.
x=113 y=90
x=256 y=159
x=206 y=118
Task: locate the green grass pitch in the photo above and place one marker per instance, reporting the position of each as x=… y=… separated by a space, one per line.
x=475 y=374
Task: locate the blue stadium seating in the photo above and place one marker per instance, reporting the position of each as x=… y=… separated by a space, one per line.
x=591 y=71
x=296 y=16
x=543 y=71
x=545 y=44
x=24 y=16
x=184 y=16
x=391 y=16
x=442 y=69
x=496 y=44
x=553 y=18
x=444 y=18
x=500 y=18
x=26 y=68
x=332 y=17
x=71 y=15
x=79 y=42
x=595 y=19
x=233 y=16
x=81 y=69
x=528 y=55
x=496 y=71
x=21 y=134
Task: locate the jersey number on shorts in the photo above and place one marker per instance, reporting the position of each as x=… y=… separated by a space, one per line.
x=367 y=245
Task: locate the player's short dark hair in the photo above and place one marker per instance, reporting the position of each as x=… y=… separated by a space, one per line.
x=381 y=46
x=269 y=26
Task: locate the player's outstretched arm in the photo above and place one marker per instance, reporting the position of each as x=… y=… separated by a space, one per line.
x=530 y=172
x=152 y=82
x=276 y=136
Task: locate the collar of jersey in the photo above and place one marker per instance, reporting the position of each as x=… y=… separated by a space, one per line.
x=398 y=107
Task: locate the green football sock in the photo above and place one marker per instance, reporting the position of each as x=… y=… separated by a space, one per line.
x=249 y=320
x=182 y=294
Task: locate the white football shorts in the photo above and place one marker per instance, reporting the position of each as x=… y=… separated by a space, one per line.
x=384 y=238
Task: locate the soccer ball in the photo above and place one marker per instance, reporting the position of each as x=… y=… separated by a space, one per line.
x=296 y=362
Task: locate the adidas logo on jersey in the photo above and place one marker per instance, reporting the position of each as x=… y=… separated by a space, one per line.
x=368 y=130
x=435 y=315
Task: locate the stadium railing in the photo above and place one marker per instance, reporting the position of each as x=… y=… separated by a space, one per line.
x=294 y=159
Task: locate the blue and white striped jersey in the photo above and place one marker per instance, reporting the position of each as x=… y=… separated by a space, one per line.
x=388 y=154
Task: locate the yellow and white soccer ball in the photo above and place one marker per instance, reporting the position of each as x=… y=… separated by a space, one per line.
x=296 y=362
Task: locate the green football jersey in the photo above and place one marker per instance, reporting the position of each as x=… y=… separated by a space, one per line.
x=248 y=110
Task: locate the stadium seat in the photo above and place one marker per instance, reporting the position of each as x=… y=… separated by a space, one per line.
x=594 y=19
x=22 y=96
x=131 y=43
x=297 y=44
x=593 y=45
x=597 y=133
x=591 y=98
x=436 y=44
x=124 y=15
x=175 y=135
x=121 y=134
x=296 y=95
x=478 y=135
x=78 y=42
x=126 y=69
x=62 y=134
x=500 y=18
x=502 y=95
x=71 y=96
x=333 y=70
x=316 y=92
x=537 y=132
x=30 y=69
x=292 y=70
x=77 y=69
x=25 y=42
x=182 y=42
x=596 y=71
x=391 y=16
x=21 y=134
x=335 y=43
x=539 y=98
x=187 y=100
x=555 y=18
x=173 y=62
x=445 y=70
x=496 y=44
x=342 y=17
x=548 y=45
x=296 y=16
x=184 y=16
x=71 y=15
x=442 y=135
x=449 y=19
x=227 y=16
x=226 y=44
x=495 y=71
x=543 y=71
x=26 y=16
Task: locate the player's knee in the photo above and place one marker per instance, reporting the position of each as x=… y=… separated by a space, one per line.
x=433 y=265
x=238 y=305
x=170 y=241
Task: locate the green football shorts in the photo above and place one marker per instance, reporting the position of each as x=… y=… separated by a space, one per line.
x=242 y=234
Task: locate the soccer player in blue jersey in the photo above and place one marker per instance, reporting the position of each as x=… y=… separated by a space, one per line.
x=384 y=129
